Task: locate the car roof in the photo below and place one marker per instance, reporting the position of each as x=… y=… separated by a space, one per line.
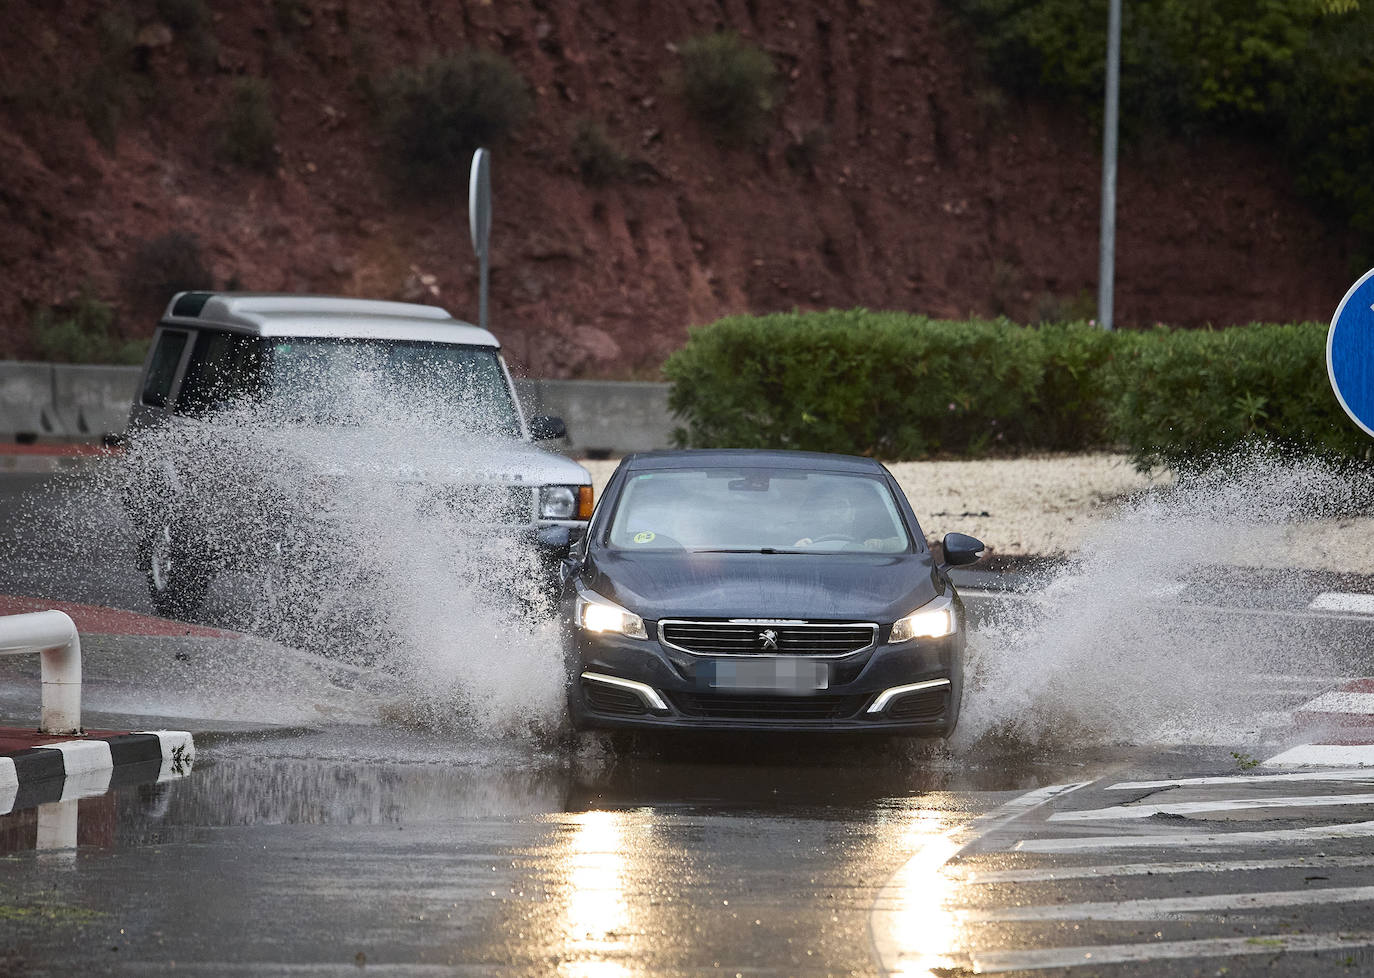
x=322 y=316
x=729 y=457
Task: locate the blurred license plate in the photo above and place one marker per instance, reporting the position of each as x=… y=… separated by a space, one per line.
x=768 y=675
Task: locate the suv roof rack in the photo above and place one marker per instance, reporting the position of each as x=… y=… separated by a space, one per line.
x=280 y=314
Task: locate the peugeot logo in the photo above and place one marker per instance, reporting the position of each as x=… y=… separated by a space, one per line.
x=768 y=640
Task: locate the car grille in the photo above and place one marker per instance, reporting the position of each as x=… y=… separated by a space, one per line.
x=748 y=638
x=721 y=706
x=492 y=504
x=927 y=704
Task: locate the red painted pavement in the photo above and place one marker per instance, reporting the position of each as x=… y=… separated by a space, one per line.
x=109 y=621
x=14 y=739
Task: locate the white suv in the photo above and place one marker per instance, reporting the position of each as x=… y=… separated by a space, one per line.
x=338 y=374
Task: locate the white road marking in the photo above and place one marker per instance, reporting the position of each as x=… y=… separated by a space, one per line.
x=1316 y=755
x=1341 y=701
x=1197 y=840
x=1117 y=812
x=1166 y=907
x=1353 y=774
x=9 y=785
x=988 y=962
x=1343 y=601
x=1359 y=610
x=979 y=877
x=903 y=921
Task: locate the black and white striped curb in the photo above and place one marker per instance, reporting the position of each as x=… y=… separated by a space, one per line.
x=92 y=766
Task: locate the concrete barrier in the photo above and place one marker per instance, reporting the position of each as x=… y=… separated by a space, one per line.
x=92 y=400
x=79 y=403
x=63 y=401
x=604 y=417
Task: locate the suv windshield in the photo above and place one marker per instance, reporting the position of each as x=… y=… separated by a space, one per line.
x=352 y=381
x=755 y=509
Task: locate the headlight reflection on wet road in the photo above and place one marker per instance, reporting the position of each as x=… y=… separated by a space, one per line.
x=597 y=910
x=914 y=930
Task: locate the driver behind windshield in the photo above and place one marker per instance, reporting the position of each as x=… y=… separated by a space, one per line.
x=841 y=517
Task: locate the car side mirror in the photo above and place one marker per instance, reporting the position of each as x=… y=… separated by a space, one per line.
x=961 y=549
x=545 y=428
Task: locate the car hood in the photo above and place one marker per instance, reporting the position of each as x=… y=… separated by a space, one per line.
x=867 y=587
x=399 y=455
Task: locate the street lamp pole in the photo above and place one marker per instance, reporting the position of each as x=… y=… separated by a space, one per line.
x=1106 y=262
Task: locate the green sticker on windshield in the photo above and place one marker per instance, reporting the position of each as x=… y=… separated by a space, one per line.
x=647 y=536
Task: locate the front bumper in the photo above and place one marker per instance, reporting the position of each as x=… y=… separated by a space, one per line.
x=621 y=683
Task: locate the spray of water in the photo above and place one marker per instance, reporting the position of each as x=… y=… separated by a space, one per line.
x=378 y=536
x=1149 y=635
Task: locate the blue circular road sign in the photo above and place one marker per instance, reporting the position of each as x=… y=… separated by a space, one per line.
x=1350 y=352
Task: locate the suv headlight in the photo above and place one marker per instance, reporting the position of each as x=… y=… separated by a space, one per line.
x=933 y=620
x=596 y=614
x=557 y=503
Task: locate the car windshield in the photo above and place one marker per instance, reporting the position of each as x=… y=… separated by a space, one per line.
x=354 y=381
x=757 y=509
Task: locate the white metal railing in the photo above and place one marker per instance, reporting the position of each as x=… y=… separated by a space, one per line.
x=53 y=635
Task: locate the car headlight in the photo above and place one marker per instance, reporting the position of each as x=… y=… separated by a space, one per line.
x=565 y=503
x=934 y=620
x=557 y=503
x=596 y=614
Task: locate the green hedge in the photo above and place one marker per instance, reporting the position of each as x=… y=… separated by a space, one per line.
x=897 y=386
x=1184 y=397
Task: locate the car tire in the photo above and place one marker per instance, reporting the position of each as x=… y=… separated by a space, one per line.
x=177 y=579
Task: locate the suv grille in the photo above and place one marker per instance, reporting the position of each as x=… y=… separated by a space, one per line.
x=496 y=504
x=722 y=706
x=753 y=638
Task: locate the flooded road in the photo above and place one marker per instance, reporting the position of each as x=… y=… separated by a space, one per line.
x=313 y=855
x=1105 y=811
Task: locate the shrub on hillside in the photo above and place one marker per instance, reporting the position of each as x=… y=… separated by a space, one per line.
x=104 y=94
x=729 y=84
x=1299 y=73
x=434 y=116
x=162 y=266
x=80 y=332
x=599 y=160
x=249 y=126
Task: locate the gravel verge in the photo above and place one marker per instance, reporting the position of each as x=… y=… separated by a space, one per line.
x=1050 y=506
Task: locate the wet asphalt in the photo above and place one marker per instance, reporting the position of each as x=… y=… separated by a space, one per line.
x=330 y=846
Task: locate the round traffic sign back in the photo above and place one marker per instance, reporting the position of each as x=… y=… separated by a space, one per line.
x=1350 y=352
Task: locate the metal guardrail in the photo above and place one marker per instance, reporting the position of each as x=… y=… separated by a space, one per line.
x=53 y=635
x=80 y=403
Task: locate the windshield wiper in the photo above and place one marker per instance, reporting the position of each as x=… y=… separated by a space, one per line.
x=750 y=550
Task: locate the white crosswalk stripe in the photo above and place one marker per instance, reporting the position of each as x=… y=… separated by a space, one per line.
x=1343 y=601
x=1108 y=871
x=992 y=962
x=1218 y=805
x=1217 y=891
x=1166 y=907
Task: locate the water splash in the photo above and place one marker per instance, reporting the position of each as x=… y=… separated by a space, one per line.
x=1145 y=637
x=378 y=543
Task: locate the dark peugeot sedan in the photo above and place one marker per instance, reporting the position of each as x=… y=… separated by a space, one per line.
x=753 y=590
